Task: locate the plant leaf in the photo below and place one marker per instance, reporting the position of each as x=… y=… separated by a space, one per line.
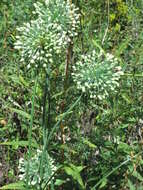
x=59 y=182
x=131 y=186
x=18 y=185
x=137 y=175
x=104 y=182
x=74 y=171
x=90 y=144
x=21 y=113
x=19 y=143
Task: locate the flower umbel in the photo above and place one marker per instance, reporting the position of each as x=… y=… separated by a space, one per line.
x=34 y=169
x=97 y=74
x=49 y=34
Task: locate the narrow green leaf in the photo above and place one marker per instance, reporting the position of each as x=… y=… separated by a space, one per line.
x=137 y=175
x=57 y=95
x=77 y=168
x=59 y=182
x=13 y=186
x=30 y=128
x=122 y=47
x=19 y=80
x=21 y=113
x=126 y=98
x=131 y=186
x=3 y=129
x=90 y=144
x=61 y=118
x=19 y=143
x=74 y=172
x=63 y=114
x=124 y=147
x=98 y=46
x=22 y=80
x=104 y=182
x=68 y=149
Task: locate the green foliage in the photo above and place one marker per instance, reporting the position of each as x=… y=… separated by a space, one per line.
x=87 y=113
x=18 y=185
x=74 y=171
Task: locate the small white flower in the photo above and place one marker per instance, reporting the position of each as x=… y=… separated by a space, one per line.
x=34 y=174
x=83 y=89
x=21 y=160
x=44 y=65
x=21 y=176
x=32 y=61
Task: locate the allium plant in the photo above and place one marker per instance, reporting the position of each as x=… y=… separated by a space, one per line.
x=41 y=42
x=34 y=179
x=47 y=36
x=97 y=74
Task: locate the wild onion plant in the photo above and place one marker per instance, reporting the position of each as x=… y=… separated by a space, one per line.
x=41 y=42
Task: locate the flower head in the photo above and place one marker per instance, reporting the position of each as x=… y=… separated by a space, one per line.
x=97 y=74
x=34 y=173
x=48 y=35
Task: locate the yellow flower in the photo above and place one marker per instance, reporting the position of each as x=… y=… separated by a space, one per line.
x=3 y=122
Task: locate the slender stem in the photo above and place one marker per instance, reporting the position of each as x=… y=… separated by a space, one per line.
x=133 y=75
x=44 y=103
x=51 y=178
x=116 y=168
x=30 y=130
x=81 y=30
x=61 y=118
x=45 y=122
x=49 y=107
x=108 y=21
x=68 y=64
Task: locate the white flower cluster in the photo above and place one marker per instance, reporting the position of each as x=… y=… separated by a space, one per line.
x=97 y=74
x=48 y=35
x=62 y=13
x=34 y=169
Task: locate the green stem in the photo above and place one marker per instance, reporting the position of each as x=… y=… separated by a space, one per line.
x=61 y=118
x=133 y=75
x=114 y=169
x=30 y=130
x=45 y=120
x=44 y=103
x=51 y=177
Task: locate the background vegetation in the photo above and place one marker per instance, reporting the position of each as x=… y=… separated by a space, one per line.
x=94 y=144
